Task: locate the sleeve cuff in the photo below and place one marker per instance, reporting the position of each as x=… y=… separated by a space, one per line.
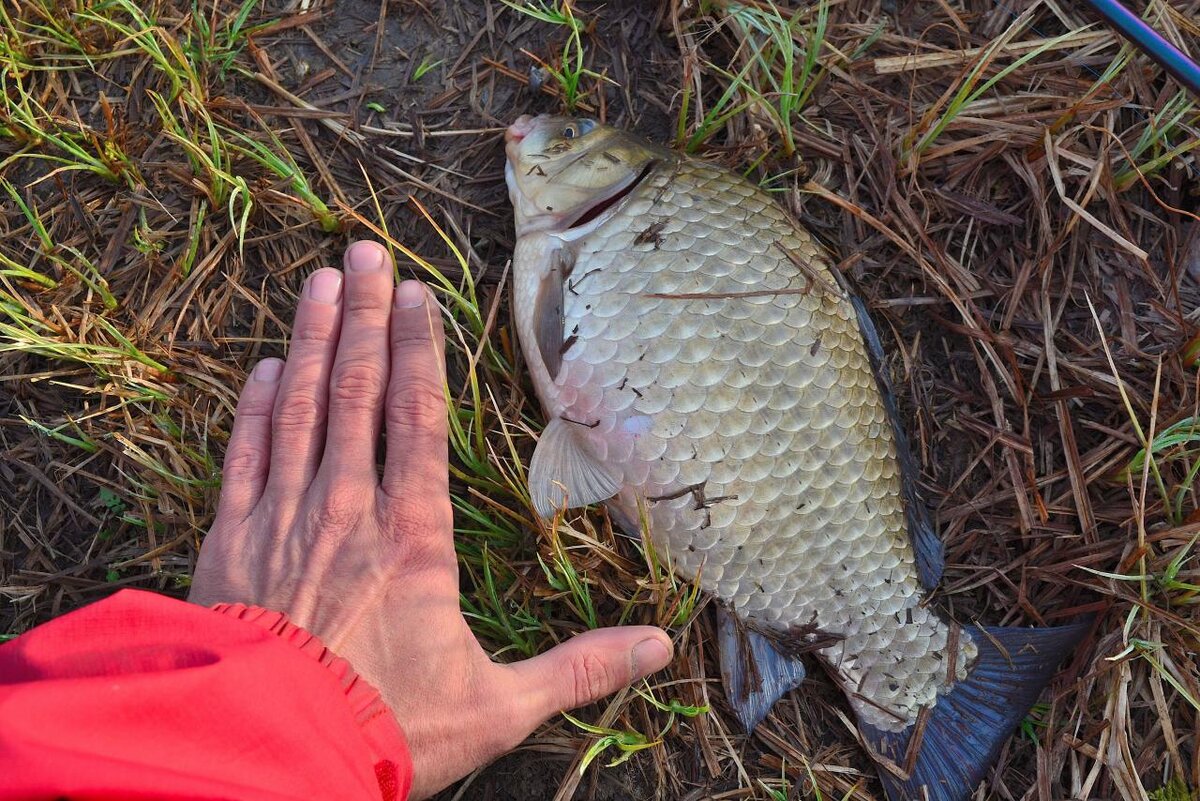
x=393 y=763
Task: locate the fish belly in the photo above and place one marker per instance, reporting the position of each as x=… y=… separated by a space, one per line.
x=710 y=357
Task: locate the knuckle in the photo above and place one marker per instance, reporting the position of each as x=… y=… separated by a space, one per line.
x=335 y=515
x=320 y=330
x=590 y=678
x=368 y=302
x=416 y=404
x=357 y=383
x=254 y=405
x=299 y=410
x=410 y=517
x=421 y=530
x=415 y=335
x=245 y=460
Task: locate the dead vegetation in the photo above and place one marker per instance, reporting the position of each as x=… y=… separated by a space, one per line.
x=1012 y=190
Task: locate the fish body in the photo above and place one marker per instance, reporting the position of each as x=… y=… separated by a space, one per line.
x=700 y=364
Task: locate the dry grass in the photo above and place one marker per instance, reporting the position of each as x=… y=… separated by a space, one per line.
x=1013 y=192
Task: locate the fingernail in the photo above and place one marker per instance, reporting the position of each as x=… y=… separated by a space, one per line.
x=364 y=257
x=268 y=370
x=409 y=295
x=650 y=655
x=325 y=286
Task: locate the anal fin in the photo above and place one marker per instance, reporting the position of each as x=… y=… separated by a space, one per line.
x=753 y=670
x=561 y=463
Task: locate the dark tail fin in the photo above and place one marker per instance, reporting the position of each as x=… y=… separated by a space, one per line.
x=964 y=731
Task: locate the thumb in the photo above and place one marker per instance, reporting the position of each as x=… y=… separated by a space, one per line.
x=588 y=667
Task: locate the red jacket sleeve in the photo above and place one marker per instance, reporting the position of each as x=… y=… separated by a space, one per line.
x=140 y=696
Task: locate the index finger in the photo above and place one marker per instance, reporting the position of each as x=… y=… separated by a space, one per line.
x=416 y=470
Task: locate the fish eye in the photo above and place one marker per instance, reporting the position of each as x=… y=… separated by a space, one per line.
x=578 y=128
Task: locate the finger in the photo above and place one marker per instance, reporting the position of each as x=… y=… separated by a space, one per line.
x=248 y=457
x=587 y=668
x=298 y=426
x=360 y=369
x=417 y=463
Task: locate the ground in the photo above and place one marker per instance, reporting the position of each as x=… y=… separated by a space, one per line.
x=1010 y=188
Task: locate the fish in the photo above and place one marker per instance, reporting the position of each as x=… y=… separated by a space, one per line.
x=703 y=368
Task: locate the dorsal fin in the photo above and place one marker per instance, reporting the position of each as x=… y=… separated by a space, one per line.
x=930 y=552
x=561 y=463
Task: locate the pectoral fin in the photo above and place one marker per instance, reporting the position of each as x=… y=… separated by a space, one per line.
x=562 y=464
x=548 y=313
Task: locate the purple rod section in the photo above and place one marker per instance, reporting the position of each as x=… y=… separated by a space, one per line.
x=1150 y=42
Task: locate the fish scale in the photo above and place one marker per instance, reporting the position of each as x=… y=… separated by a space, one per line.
x=698 y=361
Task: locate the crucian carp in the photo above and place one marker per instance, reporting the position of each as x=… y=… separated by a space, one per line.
x=701 y=365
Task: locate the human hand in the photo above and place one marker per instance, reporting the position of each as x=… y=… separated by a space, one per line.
x=306 y=527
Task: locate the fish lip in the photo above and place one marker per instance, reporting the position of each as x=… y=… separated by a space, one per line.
x=519 y=129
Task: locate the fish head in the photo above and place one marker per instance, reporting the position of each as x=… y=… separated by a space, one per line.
x=565 y=172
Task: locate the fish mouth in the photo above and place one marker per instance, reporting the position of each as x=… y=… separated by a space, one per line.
x=592 y=213
x=520 y=128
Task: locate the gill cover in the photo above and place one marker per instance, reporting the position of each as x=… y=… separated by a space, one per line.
x=560 y=168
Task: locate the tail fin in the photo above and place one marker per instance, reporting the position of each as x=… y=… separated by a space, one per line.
x=967 y=726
